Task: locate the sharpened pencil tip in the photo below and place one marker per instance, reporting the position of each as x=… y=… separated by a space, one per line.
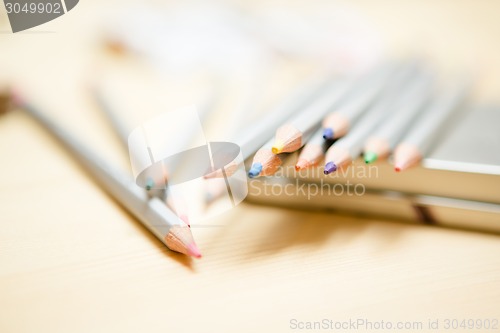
x=328 y=133
x=185 y=219
x=301 y=164
x=370 y=157
x=277 y=149
x=180 y=239
x=149 y=184
x=193 y=250
x=255 y=170
x=329 y=168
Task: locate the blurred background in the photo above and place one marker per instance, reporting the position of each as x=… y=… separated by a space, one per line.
x=239 y=57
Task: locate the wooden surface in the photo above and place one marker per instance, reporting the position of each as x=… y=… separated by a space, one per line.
x=72 y=260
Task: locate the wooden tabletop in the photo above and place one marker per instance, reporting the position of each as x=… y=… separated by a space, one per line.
x=72 y=260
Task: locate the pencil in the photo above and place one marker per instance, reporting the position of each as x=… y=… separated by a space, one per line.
x=265 y=162
x=258 y=133
x=292 y=135
x=215 y=188
x=348 y=148
x=419 y=140
x=408 y=104
x=108 y=109
x=313 y=152
x=152 y=212
x=337 y=123
x=106 y=106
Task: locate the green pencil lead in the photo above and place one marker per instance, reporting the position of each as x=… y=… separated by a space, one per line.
x=370 y=157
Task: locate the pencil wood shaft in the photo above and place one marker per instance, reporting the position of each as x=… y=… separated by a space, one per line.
x=121 y=129
x=424 y=133
x=254 y=88
x=294 y=133
x=316 y=138
x=178 y=204
x=375 y=87
x=308 y=118
x=313 y=152
x=353 y=141
x=407 y=105
x=265 y=163
x=362 y=97
x=105 y=105
x=350 y=146
x=256 y=136
x=376 y=114
x=151 y=212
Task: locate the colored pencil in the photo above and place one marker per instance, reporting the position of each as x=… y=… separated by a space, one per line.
x=348 y=148
x=153 y=213
x=408 y=105
x=267 y=159
x=337 y=123
x=258 y=133
x=265 y=162
x=421 y=137
x=107 y=107
x=352 y=107
x=214 y=188
x=313 y=152
x=292 y=135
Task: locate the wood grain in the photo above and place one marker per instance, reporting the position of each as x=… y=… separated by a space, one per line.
x=71 y=260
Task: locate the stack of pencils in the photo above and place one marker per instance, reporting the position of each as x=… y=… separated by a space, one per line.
x=395 y=109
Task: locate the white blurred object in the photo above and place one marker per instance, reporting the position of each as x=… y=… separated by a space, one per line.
x=188 y=38
x=210 y=36
x=336 y=35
